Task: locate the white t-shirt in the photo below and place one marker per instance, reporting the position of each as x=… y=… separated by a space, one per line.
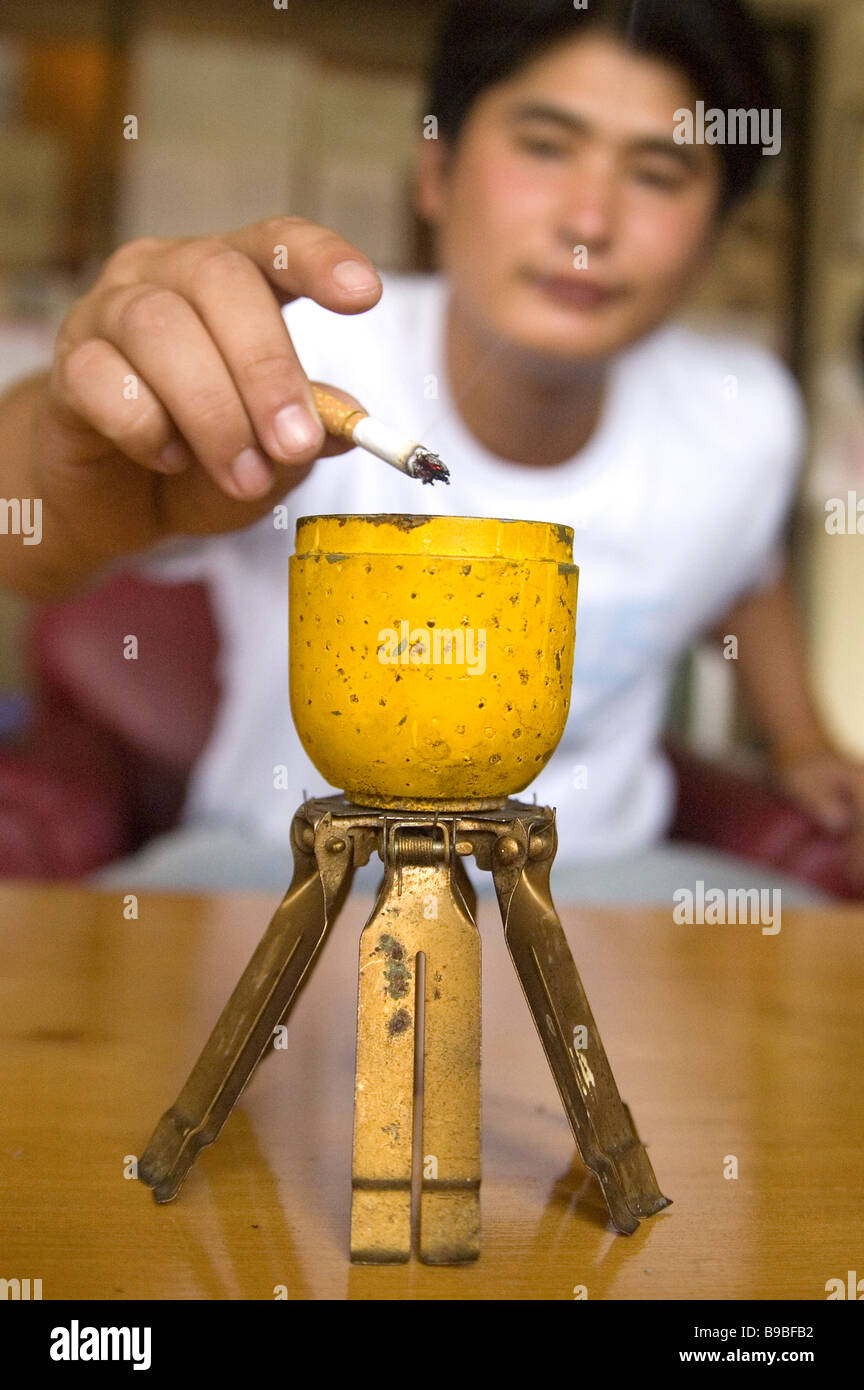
x=678 y=504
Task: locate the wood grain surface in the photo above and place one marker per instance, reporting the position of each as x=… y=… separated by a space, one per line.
x=725 y=1043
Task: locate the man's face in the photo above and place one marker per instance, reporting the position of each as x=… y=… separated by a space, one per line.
x=575 y=151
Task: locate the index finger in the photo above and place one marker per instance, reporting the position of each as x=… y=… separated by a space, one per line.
x=302 y=259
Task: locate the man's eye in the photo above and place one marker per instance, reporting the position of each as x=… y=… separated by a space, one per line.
x=546 y=149
x=667 y=179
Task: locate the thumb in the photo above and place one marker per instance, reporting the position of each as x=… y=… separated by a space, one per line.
x=332 y=419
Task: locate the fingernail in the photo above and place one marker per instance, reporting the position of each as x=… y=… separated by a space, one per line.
x=352 y=275
x=174 y=457
x=251 y=473
x=296 y=430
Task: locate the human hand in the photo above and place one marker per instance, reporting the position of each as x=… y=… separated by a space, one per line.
x=831 y=788
x=177 y=403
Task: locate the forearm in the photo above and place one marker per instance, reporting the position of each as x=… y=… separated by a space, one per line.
x=773 y=668
x=40 y=560
x=772 y=663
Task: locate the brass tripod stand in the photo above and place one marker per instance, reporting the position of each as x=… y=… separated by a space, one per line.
x=426 y=907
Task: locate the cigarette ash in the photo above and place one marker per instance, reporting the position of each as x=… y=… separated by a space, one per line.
x=429 y=468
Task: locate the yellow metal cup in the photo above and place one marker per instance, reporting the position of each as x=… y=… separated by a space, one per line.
x=431 y=656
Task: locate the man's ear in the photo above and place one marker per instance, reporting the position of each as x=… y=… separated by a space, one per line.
x=430 y=178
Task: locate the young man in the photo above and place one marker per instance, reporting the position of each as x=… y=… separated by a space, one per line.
x=539 y=362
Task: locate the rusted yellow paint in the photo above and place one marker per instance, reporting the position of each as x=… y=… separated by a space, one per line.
x=431 y=657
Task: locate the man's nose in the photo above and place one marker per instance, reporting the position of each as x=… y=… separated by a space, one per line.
x=588 y=212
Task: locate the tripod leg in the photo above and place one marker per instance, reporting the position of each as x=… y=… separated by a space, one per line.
x=384 y=1088
x=450 y=1191
x=417 y=911
x=260 y=1000
x=601 y=1123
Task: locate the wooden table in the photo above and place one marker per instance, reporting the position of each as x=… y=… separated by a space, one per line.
x=724 y=1041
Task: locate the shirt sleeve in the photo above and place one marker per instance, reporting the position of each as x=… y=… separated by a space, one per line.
x=182 y=560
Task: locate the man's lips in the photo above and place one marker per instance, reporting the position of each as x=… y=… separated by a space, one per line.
x=577 y=293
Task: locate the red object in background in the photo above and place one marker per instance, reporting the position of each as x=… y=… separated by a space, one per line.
x=752 y=820
x=103 y=763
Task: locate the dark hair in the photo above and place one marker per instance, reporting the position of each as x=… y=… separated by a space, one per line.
x=718 y=44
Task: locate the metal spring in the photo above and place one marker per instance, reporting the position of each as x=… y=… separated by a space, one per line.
x=419 y=848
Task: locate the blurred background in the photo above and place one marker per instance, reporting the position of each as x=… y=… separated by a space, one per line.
x=245 y=110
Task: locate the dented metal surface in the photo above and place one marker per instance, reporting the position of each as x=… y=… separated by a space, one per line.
x=445 y=648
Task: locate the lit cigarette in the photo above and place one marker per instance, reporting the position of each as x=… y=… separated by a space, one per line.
x=357 y=426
